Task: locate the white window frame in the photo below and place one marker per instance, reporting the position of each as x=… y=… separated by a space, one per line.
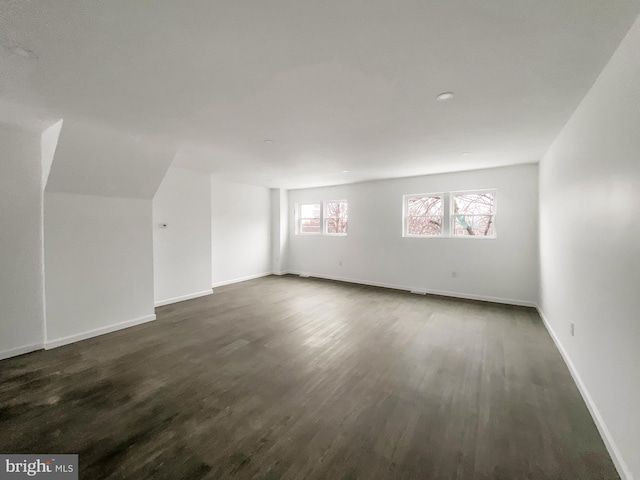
x=327 y=218
x=299 y=218
x=405 y=214
x=495 y=214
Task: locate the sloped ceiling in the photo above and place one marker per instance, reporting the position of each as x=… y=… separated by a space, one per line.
x=94 y=160
x=337 y=85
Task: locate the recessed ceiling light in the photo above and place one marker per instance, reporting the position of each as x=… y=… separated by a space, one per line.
x=345 y=171
x=268 y=140
x=465 y=154
x=444 y=96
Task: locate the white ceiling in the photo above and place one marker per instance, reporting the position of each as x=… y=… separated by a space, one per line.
x=336 y=84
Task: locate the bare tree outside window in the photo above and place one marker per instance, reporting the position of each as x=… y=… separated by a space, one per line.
x=473 y=214
x=309 y=218
x=336 y=216
x=424 y=215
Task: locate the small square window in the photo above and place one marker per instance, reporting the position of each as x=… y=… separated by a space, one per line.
x=473 y=214
x=423 y=215
x=309 y=221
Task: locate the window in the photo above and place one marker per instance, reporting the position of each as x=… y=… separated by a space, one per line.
x=335 y=217
x=423 y=215
x=309 y=219
x=473 y=214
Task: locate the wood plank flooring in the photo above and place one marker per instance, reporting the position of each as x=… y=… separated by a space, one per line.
x=290 y=378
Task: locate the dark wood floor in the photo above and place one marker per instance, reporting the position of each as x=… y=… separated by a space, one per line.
x=294 y=378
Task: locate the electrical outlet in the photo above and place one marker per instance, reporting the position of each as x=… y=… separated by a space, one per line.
x=572 y=328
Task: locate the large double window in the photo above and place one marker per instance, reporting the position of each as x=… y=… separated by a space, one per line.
x=470 y=214
x=322 y=218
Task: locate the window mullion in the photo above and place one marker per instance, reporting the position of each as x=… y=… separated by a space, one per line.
x=446 y=215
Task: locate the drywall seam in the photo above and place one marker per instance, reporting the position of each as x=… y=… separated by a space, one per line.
x=14 y=352
x=182 y=298
x=97 y=332
x=618 y=461
x=241 y=279
x=466 y=296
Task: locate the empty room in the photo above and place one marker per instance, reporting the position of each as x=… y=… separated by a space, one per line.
x=320 y=239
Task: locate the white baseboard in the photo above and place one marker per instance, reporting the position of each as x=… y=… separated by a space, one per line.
x=444 y=293
x=182 y=298
x=14 y=352
x=241 y=279
x=58 y=342
x=484 y=298
x=614 y=452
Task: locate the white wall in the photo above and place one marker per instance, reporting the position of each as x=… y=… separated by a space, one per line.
x=182 y=251
x=374 y=252
x=279 y=231
x=241 y=231
x=590 y=249
x=98 y=265
x=98 y=237
x=21 y=290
